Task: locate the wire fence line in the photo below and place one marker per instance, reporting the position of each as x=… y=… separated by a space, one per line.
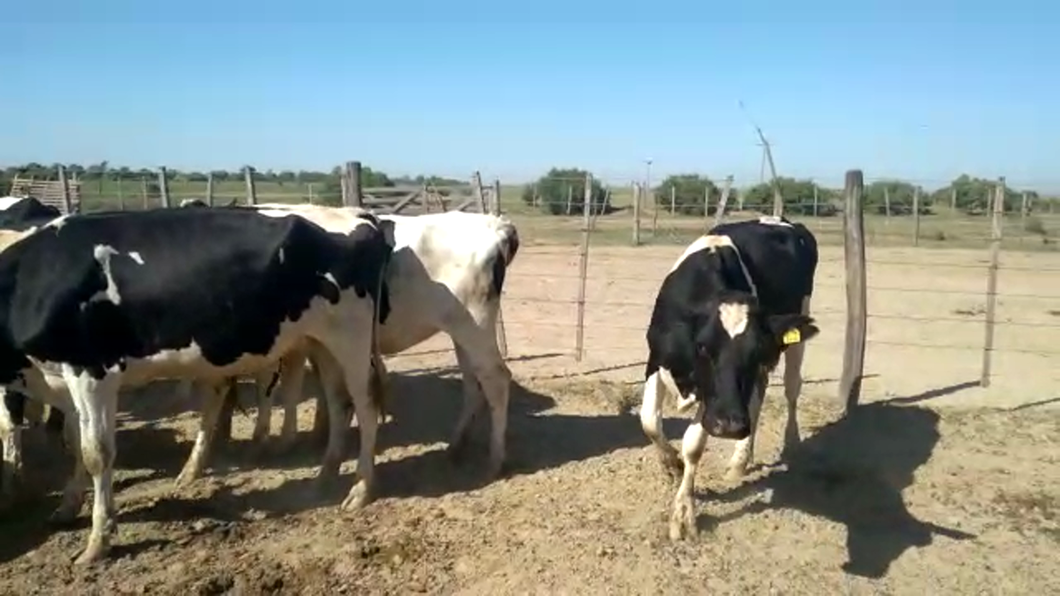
x=595 y=295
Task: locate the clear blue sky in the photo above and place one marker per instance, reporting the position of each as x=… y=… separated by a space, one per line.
x=921 y=90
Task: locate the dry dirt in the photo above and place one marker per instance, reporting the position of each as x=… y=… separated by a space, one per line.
x=933 y=485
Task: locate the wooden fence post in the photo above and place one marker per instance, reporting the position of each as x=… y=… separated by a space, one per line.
x=248 y=179
x=1023 y=210
x=163 y=186
x=916 y=216
x=495 y=208
x=68 y=204
x=209 y=189
x=636 y=214
x=719 y=213
x=991 y=279
x=953 y=200
x=121 y=194
x=353 y=197
x=143 y=191
x=480 y=199
x=654 y=200
x=857 y=316
x=815 y=199
x=887 y=203
x=583 y=268
x=673 y=200
x=570 y=199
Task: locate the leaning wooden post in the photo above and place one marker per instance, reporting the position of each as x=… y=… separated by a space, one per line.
x=163 y=186
x=480 y=197
x=248 y=179
x=353 y=197
x=857 y=316
x=209 y=189
x=719 y=213
x=916 y=216
x=68 y=204
x=583 y=267
x=636 y=214
x=991 y=279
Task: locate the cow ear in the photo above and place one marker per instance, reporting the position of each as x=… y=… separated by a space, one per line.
x=792 y=329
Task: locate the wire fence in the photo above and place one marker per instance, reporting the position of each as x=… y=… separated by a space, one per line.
x=579 y=286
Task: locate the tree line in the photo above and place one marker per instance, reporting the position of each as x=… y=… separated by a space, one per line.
x=561 y=191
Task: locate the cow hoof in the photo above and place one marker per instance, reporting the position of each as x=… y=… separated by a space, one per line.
x=736 y=473
x=672 y=465
x=683 y=521
x=357 y=498
x=185 y=478
x=457 y=451
x=93 y=554
x=65 y=514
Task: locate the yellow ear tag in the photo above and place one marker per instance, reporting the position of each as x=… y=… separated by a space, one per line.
x=792 y=336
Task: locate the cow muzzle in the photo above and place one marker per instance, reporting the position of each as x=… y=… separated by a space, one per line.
x=729 y=428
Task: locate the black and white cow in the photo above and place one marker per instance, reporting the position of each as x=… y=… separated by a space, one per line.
x=446 y=275
x=731 y=305
x=21 y=214
x=118 y=299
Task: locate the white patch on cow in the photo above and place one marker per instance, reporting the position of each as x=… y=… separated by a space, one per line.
x=703 y=243
x=667 y=379
x=773 y=220
x=713 y=242
x=281 y=255
x=275 y=213
x=10 y=237
x=733 y=317
x=102 y=254
x=8 y=202
x=58 y=222
x=331 y=278
x=136 y=257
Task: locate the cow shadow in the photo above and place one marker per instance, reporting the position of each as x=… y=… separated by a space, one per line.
x=425 y=409
x=853 y=471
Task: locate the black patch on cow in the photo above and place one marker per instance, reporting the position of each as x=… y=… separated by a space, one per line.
x=27 y=213
x=687 y=302
x=225 y=278
x=781 y=260
x=502 y=259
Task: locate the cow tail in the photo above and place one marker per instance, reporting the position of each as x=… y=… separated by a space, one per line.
x=505 y=255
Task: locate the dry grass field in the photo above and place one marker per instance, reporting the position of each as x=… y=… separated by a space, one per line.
x=932 y=486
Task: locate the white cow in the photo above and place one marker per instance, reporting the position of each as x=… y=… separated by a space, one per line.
x=446 y=275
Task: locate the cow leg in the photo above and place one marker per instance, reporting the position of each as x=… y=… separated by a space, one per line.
x=292 y=379
x=792 y=388
x=320 y=411
x=473 y=401
x=77 y=485
x=683 y=520
x=743 y=452
x=479 y=343
x=223 y=434
x=11 y=439
x=213 y=399
x=349 y=354
x=651 y=422
x=96 y=401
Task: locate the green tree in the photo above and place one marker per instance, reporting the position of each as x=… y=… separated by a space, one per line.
x=688 y=193
x=797 y=196
x=974 y=195
x=901 y=198
x=552 y=190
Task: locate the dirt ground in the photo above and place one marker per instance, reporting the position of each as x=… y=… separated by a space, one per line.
x=933 y=485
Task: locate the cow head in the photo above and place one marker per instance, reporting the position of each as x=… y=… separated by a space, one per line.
x=736 y=346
